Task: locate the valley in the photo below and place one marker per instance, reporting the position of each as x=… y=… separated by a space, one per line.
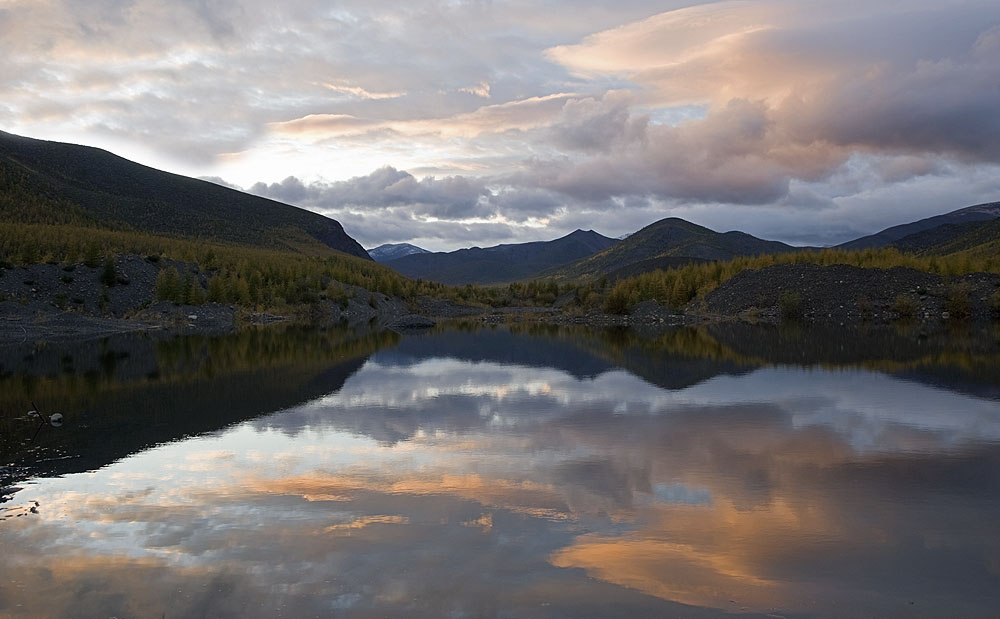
x=92 y=243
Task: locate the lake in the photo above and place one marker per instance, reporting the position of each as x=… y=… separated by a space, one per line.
x=504 y=471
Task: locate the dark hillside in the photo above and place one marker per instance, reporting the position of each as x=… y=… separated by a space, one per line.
x=668 y=238
x=976 y=237
x=979 y=212
x=52 y=182
x=502 y=263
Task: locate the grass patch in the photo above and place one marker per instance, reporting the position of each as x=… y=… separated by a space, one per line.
x=959 y=301
x=790 y=305
x=905 y=306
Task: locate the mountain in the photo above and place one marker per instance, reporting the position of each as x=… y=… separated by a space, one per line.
x=668 y=242
x=53 y=182
x=502 y=263
x=391 y=251
x=979 y=212
x=974 y=238
x=661 y=263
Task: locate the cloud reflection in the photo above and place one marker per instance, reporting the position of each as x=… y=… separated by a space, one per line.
x=440 y=486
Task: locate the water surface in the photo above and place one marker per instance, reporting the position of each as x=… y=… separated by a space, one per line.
x=505 y=472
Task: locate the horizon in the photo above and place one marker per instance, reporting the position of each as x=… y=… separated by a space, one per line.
x=456 y=124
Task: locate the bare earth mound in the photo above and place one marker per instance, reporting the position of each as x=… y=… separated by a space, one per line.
x=843 y=293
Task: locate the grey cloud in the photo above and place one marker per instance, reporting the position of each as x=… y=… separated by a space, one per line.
x=392 y=205
x=735 y=155
x=249 y=64
x=220 y=181
x=398 y=225
x=453 y=197
x=290 y=190
x=597 y=124
x=907 y=92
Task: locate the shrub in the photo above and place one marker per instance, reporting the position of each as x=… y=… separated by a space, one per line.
x=30 y=254
x=168 y=285
x=617 y=301
x=216 y=290
x=905 y=306
x=790 y=304
x=109 y=276
x=190 y=291
x=92 y=255
x=959 y=304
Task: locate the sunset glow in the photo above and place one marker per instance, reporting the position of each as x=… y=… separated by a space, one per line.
x=449 y=124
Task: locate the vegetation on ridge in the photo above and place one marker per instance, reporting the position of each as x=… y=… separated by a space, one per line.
x=248 y=276
x=678 y=287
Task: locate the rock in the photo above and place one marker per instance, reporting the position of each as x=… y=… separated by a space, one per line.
x=843 y=294
x=412 y=321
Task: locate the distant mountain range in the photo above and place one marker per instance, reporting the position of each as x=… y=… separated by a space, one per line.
x=975 y=238
x=53 y=182
x=45 y=182
x=666 y=243
x=674 y=242
x=501 y=263
x=391 y=251
x=979 y=212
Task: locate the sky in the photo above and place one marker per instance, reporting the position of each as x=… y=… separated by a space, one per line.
x=452 y=123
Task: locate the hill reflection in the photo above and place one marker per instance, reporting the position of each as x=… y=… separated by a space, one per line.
x=530 y=472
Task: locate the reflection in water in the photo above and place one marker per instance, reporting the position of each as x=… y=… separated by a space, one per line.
x=544 y=472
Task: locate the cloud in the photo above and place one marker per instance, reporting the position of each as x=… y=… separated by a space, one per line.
x=518 y=484
x=452 y=197
x=529 y=116
x=394 y=204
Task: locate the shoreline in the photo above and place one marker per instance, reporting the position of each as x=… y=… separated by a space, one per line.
x=20 y=324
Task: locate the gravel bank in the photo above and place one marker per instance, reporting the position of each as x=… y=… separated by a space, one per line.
x=842 y=294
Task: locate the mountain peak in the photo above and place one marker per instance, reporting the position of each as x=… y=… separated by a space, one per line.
x=392 y=251
x=665 y=243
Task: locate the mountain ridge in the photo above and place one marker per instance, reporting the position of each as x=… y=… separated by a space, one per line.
x=978 y=212
x=667 y=241
x=391 y=251
x=500 y=263
x=972 y=238
x=55 y=182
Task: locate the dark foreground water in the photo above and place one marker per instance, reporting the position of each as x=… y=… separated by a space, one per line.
x=504 y=472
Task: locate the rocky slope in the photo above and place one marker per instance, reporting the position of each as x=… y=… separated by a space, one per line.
x=845 y=294
x=54 y=301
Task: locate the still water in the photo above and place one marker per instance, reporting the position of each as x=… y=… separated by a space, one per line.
x=504 y=472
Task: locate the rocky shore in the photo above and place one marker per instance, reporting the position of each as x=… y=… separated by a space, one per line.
x=842 y=294
x=55 y=302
